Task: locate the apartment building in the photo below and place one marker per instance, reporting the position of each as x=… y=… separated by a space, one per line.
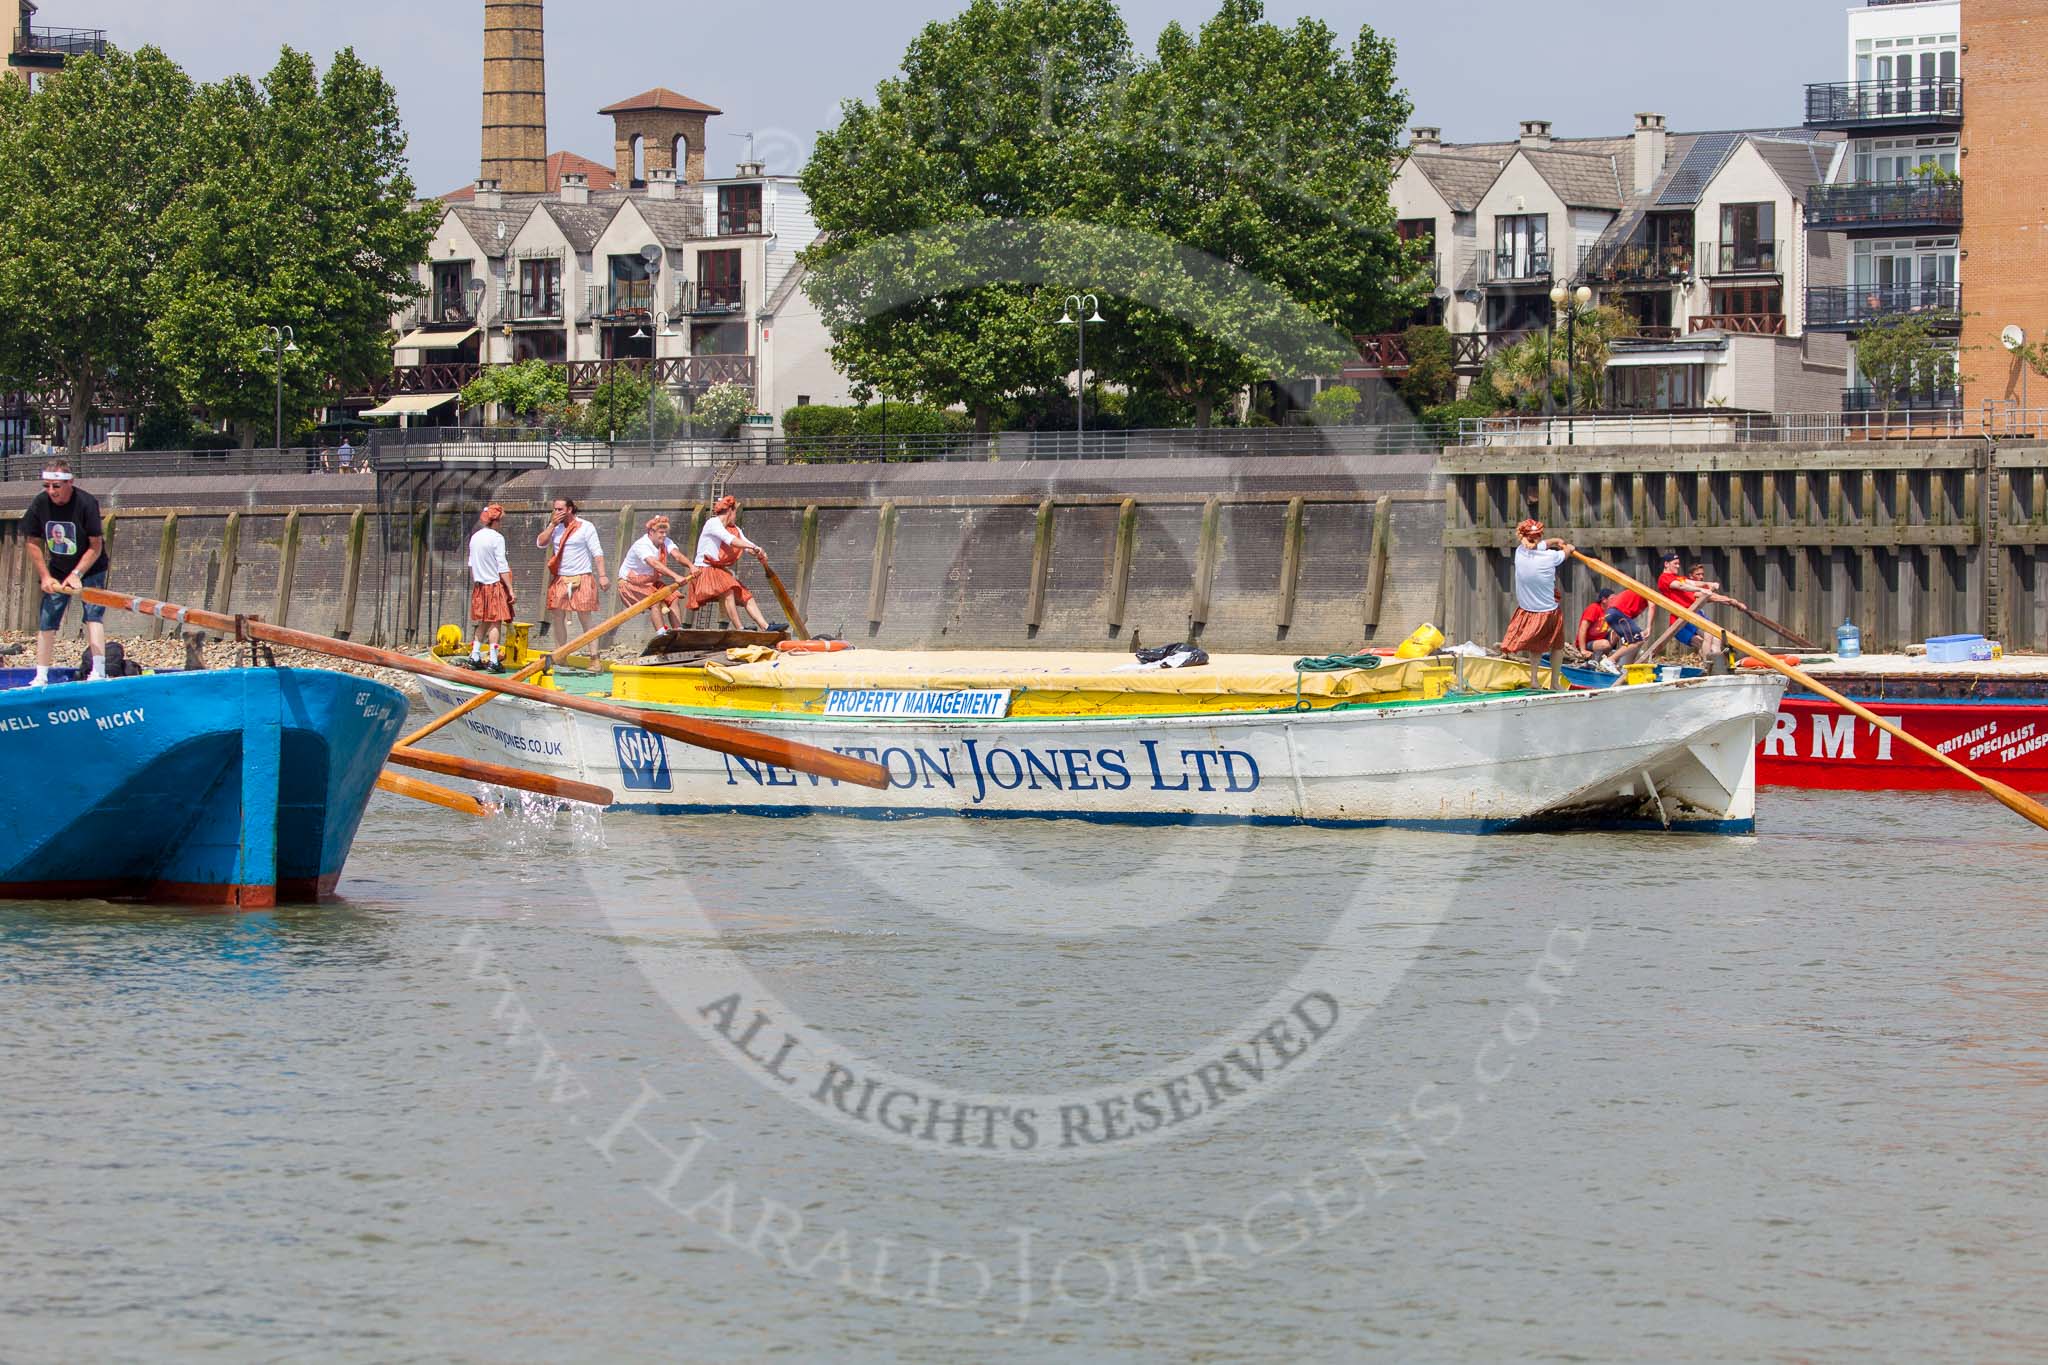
x=689 y=278
x=1698 y=236
x=2005 y=200
x=1895 y=203
x=35 y=50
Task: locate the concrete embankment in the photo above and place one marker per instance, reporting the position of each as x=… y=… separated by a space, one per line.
x=1311 y=553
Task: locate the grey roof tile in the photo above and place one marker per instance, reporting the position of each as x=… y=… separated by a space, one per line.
x=1581 y=179
x=1462 y=180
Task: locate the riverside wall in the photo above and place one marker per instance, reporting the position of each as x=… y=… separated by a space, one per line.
x=1300 y=554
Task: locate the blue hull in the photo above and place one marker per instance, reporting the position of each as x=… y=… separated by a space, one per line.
x=237 y=788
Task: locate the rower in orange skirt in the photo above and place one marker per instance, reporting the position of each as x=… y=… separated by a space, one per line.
x=719 y=548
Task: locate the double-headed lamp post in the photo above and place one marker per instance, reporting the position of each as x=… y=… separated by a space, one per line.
x=1571 y=302
x=282 y=341
x=1076 y=305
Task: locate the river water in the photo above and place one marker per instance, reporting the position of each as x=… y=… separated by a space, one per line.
x=551 y=1088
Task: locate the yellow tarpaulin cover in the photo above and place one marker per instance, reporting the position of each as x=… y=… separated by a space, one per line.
x=1257 y=675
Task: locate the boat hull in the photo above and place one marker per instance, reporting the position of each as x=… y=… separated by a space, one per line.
x=1680 y=756
x=1815 y=744
x=240 y=788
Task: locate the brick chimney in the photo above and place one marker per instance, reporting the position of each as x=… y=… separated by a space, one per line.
x=515 y=96
x=1426 y=137
x=1652 y=147
x=489 y=194
x=575 y=188
x=661 y=183
x=747 y=169
x=1535 y=133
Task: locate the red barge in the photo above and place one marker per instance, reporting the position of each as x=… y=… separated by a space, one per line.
x=1992 y=717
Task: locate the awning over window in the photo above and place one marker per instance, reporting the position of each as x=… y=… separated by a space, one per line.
x=424 y=340
x=411 y=404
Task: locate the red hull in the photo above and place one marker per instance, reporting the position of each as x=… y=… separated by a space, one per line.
x=202 y=896
x=1817 y=744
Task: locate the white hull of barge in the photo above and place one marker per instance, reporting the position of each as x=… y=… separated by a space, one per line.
x=1679 y=756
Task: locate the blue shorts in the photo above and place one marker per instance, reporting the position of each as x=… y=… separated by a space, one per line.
x=1624 y=628
x=55 y=604
x=1688 y=635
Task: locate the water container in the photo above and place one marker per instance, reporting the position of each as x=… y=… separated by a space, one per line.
x=1848 y=641
x=1952 y=649
x=1426 y=641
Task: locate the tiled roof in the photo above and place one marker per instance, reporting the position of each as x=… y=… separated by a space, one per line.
x=1461 y=180
x=582 y=224
x=1582 y=180
x=660 y=99
x=493 y=229
x=674 y=221
x=1801 y=165
x=602 y=177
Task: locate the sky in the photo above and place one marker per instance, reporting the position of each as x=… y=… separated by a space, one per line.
x=780 y=69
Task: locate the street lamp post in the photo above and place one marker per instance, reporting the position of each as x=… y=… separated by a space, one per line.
x=1076 y=305
x=665 y=330
x=282 y=341
x=1573 y=302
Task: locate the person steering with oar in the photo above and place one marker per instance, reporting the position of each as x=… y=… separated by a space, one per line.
x=646 y=564
x=719 y=547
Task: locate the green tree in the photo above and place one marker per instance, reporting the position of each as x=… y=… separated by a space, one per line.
x=1335 y=406
x=985 y=124
x=1431 y=380
x=524 y=390
x=619 y=409
x=1902 y=358
x=1270 y=149
x=297 y=211
x=87 y=172
x=1532 y=373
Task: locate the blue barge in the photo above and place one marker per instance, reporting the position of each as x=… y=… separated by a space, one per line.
x=238 y=788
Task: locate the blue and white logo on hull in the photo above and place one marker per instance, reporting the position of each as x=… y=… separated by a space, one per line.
x=643 y=761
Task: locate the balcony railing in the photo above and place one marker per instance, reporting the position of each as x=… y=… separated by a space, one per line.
x=1743 y=258
x=537 y=307
x=630 y=299
x=1894 y=205
x=1743 y=324
x=1638 y=263
x=1514 y=267
x=1852 y=106
x=1379 y=355
x=675 y=372
x=700 y=299
x=745 y=222
x=1471 y=350
x=1938 y=399
x=59 y=44
x=1849 y=308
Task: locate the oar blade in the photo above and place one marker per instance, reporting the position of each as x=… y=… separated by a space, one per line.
x=2019 y=803
x=497 y=774
x=783 y=753
x=398 y=784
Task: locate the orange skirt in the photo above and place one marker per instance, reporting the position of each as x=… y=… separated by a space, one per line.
x=490 y=604
x=577 y=593
x=1534 y=632
x=636 y=588
x=712 y=583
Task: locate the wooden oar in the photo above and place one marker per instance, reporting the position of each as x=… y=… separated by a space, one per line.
x=556 y=655
x=705 y=734
x=543 y=784
x=1767 y=623
x=398 y=784
x=2017 y=802
x=797 y=627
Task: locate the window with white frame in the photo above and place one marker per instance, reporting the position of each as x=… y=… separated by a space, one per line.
x=1886 y=159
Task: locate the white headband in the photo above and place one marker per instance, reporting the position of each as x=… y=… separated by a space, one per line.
x=56 y=476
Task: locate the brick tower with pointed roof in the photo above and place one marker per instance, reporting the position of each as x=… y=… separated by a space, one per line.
x=662 y=131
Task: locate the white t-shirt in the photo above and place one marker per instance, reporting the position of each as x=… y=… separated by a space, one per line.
x=1536 y=578
x=581 y=553
x=487 y=561
x=715 y=536
x=641 y=560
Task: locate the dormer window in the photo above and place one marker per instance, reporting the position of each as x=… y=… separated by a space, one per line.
x=739 y=210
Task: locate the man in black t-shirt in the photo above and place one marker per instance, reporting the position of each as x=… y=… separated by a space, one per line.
x=67 y=548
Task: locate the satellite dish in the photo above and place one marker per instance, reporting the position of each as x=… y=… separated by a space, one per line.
x=1442 y=294
x=1473 y=296
x=2012 y=338
x=651 y=255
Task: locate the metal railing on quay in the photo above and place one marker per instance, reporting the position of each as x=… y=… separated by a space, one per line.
x=1712 y=426
x=185 y=464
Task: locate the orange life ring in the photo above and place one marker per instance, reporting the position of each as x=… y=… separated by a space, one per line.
x=811 y=646
x=1789 y=660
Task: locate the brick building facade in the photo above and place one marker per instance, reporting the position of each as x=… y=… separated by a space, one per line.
x=2005 y=195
